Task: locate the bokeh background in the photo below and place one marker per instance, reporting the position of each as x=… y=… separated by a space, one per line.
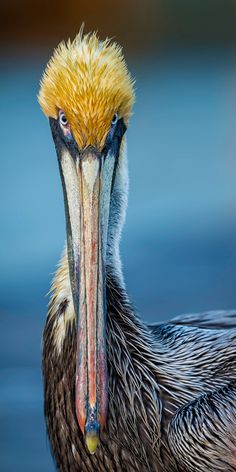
x=179 y=242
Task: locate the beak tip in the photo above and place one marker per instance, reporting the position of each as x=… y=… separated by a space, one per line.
x=92 y=442
x=92 y=439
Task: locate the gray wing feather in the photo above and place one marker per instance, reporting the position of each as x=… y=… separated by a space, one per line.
x=224 y=319
x=202 y=433
x=221 y=319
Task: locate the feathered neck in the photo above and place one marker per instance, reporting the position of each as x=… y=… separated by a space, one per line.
x=132 y=372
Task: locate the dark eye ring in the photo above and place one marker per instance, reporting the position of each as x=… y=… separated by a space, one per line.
x=62 y=119
x=115 y=119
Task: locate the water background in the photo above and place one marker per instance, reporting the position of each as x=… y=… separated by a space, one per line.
x=179 y=241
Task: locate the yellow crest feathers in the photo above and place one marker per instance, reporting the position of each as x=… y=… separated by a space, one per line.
x=88 y=79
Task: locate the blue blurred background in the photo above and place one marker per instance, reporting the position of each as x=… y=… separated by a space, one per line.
x=179 y=242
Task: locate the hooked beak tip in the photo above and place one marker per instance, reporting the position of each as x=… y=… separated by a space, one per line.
x=92 y=441
x=92 y=436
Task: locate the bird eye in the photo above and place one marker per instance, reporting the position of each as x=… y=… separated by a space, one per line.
x=115 y=119
x=62 y=119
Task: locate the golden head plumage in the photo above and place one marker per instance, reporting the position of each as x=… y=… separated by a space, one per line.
x=87 y=79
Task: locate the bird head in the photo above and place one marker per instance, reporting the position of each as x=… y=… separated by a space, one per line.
x=87 y=93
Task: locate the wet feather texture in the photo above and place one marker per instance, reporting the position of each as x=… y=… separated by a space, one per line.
x=171 y=393
x=171 y=387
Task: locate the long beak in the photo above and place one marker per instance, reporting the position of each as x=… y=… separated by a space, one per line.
x=87 y=184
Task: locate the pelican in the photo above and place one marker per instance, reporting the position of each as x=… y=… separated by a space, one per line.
x=120 y=395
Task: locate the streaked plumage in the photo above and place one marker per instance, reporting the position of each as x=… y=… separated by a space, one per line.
x=171 y=387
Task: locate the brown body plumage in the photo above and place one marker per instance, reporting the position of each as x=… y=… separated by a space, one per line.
x=170 y=387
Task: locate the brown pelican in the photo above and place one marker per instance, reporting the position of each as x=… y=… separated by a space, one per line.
x=120 y=395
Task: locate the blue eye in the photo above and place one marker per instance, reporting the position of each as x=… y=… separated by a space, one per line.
x=115 y=119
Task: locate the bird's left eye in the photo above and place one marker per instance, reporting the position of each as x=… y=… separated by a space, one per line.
x=62 y=119
x=115 y=119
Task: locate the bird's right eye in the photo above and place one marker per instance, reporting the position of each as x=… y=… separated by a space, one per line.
x=62 y=119
x=114 y=119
